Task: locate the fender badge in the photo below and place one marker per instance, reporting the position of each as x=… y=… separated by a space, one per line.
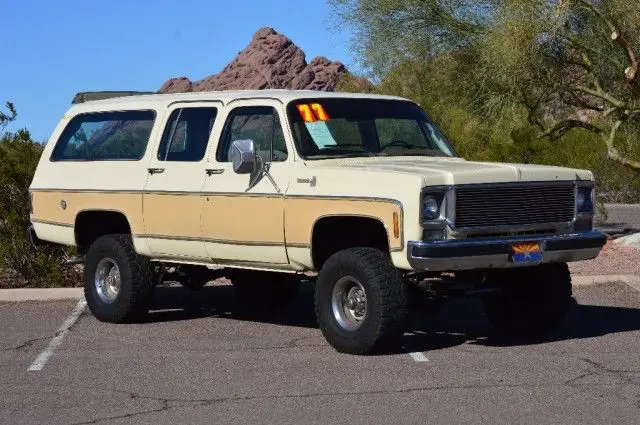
x=312 y=181
x=63 y=204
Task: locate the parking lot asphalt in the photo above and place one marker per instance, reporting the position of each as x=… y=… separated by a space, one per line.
x=197 y=360
x=621 y=219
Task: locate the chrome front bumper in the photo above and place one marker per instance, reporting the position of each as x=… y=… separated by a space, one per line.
x=472 y=254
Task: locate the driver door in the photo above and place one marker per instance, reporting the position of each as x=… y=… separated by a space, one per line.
x=242 y=224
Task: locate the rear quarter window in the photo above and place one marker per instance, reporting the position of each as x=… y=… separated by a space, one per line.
x=105 y=136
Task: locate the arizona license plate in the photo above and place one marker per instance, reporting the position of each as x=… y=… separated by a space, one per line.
x=526 y=253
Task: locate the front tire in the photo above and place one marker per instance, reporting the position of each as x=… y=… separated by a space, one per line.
x=361 y=301
x=118 y=283
x=531 y=302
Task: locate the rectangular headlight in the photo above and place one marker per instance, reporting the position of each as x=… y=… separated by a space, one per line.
x=585 y=199
x=432 y=206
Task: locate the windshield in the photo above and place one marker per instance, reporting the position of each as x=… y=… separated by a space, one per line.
x=347 y=127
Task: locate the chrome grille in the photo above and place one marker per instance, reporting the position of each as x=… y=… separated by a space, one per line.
x=514 y=205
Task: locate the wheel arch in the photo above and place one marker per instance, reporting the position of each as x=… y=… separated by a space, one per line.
x=322 y=247
x=113 y=221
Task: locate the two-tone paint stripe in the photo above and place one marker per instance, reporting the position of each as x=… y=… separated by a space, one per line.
x=222 y=241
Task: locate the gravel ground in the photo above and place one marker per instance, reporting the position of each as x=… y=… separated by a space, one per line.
x=614 y=259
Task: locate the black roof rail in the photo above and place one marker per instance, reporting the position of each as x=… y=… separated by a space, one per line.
x=97 y=95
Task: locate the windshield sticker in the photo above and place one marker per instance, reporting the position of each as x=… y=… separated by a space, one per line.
x=320 y=112
x=312 y=112
x=321 y=134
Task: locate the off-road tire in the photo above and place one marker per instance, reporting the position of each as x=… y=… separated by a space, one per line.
x=264 y=292
x=386 y=297
x=136 y=275
x=531 y=302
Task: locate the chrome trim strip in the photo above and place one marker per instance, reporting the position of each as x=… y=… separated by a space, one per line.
x=522 y=184
x=49 y=190
x=52 y=223
x=298 y=245
x=230 y=242
x=282 y=267
x=209 y=240
x=238 y=194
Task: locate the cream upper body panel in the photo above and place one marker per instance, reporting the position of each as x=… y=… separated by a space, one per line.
x=440 y=171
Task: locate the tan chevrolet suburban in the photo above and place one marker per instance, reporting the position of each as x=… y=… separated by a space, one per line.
x=360 y=193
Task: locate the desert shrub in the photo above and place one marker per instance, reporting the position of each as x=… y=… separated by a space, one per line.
x=19 y=156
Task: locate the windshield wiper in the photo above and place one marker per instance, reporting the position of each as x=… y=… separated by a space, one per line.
x=431 y=155
x=344 y=155
x=357 y=154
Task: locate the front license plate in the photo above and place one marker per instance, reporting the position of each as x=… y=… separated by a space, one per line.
x=526 y=253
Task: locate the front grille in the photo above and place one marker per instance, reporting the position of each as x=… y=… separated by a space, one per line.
x=537 y=232
x=514 y=205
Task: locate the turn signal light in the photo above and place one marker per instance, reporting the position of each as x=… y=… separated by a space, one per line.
x=396 y=225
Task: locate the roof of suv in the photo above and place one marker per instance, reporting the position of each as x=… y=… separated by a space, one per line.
x=284 y=96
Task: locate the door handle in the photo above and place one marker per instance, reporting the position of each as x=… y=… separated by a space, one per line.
x=212 y=171
x=153 y=171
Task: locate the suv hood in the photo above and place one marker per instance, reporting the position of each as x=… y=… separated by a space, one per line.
x=452 y=171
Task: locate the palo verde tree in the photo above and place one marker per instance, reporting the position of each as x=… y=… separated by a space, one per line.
x=594 y=59
x=566 y=63
x=7 y=117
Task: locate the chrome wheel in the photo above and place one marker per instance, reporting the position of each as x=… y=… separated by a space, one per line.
x=107 y=280
x=349 y=303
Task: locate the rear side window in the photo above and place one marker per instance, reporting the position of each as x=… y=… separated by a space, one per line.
x=105 y=136
x=186 y=135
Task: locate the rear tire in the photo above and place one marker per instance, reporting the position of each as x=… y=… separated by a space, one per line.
x=532 y=301
x=118 y=283
x=361 y=301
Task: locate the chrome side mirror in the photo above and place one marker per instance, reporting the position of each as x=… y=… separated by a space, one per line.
x=242 y=154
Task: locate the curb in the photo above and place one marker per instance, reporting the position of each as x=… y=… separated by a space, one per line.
x=632 y=241
x=629 y=279
x=48 y=294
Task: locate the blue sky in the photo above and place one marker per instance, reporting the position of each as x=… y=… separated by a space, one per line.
x=53 y=49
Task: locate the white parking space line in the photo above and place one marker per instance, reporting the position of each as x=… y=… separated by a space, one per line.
x=44 y=356
x=419 y=357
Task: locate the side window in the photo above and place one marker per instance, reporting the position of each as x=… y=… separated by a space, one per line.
x=186 y=135
x=104 y=136
x=260 y=124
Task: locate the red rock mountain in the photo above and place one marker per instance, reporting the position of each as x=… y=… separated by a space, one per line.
x=270 y=61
